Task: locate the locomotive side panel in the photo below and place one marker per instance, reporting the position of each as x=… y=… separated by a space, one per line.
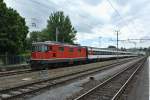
x=44 y=54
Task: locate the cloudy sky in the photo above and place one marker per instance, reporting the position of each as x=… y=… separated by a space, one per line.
x=95 y=20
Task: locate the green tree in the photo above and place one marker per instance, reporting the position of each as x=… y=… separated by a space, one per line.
x=13 y=30
x=58 y=20
x=33 y=37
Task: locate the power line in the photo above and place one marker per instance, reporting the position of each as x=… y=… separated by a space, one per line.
x=42 y=4
x=117 y=12
x=138 y=39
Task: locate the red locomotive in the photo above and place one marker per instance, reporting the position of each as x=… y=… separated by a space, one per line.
x=54 y=53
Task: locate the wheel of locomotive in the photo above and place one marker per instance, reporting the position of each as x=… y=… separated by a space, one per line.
x=36 y=66
x=33 y=66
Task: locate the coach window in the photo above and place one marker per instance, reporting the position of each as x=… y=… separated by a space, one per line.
x=112 y=53
x=71 y=50
x=61 y=49
x=109 y=53
x=102 y=52
x=96 y=52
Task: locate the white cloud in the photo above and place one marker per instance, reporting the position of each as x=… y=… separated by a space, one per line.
x=102 y=10
x=92 y=18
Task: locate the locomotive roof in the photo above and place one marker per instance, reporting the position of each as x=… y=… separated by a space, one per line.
x=55 y=43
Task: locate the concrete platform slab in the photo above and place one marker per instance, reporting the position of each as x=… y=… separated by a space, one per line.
x=140 y=90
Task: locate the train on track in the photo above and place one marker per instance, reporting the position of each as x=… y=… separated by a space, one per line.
x=51 y=53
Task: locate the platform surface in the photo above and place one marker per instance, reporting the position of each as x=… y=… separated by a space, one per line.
x=141 y=89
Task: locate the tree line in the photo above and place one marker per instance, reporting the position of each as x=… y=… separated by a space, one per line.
x=13 y=30
x=57 y=22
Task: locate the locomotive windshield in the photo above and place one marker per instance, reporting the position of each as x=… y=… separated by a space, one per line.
x=40 y=48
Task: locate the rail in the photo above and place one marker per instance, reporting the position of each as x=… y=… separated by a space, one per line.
x=87 y=95
x=35 y=86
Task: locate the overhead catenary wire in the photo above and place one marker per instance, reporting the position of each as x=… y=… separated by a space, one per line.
x=117 y=12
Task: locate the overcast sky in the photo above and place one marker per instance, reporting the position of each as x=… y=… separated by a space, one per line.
x=93 y=18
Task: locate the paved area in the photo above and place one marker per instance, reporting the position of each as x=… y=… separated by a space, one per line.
x=140 y=90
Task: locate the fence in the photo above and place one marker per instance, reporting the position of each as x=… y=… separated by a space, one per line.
x=13 y=59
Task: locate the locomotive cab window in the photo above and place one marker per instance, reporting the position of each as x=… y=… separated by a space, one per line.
x=40 y=48
x=46 y=48
x=43 y=48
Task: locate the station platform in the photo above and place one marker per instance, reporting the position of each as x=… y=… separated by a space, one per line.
x=141 y=87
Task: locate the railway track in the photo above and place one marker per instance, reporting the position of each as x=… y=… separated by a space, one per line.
x=9 y=73
x=112 y=88
x=16 y=72
x=35 y=86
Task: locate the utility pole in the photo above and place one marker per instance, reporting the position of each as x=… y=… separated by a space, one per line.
x=57 y=32
x=117 y=32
